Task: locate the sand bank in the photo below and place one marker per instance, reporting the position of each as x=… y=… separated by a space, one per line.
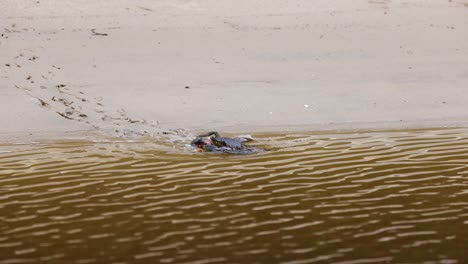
x=232 y=65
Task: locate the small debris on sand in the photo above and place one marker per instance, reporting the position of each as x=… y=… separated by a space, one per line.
x=64 y=115
x=43 y=103
x=97 y=33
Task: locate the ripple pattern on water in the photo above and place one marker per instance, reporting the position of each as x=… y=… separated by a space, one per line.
x=375 y=197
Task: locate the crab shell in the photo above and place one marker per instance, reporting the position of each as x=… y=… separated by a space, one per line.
x=226 y=142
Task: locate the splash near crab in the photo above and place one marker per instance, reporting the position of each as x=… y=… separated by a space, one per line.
x=212 y=142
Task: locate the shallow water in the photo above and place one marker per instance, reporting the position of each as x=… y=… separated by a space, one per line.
x=376 y=197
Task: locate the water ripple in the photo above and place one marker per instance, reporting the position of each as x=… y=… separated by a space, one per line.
x=349 y=198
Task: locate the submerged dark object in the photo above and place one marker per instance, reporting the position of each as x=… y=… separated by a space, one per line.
x=213 y=142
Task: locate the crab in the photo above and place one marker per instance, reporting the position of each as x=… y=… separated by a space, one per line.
x=213 y=142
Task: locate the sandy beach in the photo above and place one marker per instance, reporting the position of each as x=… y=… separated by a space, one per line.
x=99 y=101
x=234 y=66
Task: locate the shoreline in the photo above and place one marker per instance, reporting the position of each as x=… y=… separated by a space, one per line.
x=51 y=137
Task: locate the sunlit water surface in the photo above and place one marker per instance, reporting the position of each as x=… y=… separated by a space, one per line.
x=376 y=197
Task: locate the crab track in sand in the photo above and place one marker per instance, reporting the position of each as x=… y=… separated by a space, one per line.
x=71 y=103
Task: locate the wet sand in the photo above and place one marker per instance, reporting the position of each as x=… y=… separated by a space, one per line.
x=231 y=65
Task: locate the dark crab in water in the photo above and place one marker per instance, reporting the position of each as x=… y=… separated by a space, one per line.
x=213 y=142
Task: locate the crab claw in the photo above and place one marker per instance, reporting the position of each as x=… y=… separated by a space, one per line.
x=201 y=141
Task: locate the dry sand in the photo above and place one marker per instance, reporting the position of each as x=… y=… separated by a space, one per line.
x=234 y=66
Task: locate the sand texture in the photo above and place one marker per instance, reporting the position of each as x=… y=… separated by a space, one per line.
x=150 y=67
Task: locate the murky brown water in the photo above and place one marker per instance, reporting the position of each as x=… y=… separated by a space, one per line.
x=397 y=197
